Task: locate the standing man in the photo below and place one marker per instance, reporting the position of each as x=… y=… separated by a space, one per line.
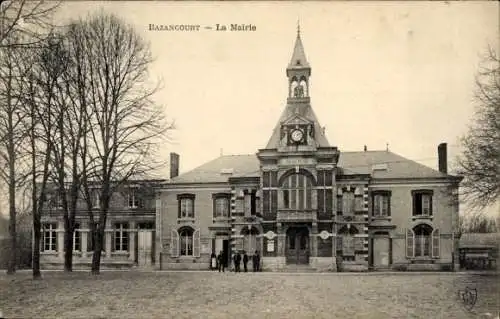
x=238 y=261
x=256 y=261
x=222 y=264
x=245 y=261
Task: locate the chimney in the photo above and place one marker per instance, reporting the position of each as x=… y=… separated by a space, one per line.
x=366 y=148
x=174 y=165
x=443 y=158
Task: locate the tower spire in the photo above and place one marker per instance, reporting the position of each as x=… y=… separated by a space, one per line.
x=298 y=60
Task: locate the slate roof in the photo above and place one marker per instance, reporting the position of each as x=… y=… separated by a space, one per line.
x=471 y=240
x=351 y=163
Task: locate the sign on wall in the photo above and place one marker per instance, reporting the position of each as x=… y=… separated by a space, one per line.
x=270 y=246
x=297 y=161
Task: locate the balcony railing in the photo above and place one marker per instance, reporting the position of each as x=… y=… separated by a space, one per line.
x=297 y=216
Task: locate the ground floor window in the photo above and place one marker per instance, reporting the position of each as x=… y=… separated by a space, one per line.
x=422 y=241
x=186 y=241
x=121 y=237
x=49 y=237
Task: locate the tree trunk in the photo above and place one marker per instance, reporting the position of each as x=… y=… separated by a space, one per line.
x=96 y=258
x=37 y=225
x=12 y=222
x=68 y=247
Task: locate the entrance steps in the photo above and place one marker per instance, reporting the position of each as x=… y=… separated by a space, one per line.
x=298 y=268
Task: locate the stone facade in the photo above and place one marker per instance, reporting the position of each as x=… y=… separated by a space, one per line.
x=300 y=202
x=129 y=232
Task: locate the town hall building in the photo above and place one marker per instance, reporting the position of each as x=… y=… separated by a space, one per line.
x=302 y=202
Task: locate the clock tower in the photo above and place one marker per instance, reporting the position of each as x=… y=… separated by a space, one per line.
x=297 y=177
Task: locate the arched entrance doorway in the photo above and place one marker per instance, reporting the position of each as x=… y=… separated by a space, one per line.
x=297 y=245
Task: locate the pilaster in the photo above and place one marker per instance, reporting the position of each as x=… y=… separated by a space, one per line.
x=132 y=233
x=314 y=240
x=281 y=240
x=60 y=240
x=107 y=235
x=84 y=238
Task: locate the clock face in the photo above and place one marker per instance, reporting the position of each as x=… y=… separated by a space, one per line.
x=297 y=135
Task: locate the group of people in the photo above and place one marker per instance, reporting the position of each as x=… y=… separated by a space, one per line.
x=220 y=262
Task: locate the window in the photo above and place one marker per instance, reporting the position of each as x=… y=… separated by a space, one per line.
x=325 y=191
x=56 y=200
x=423 y=241
x=77 y=238
x=381 y=204
x=221 y=205
x=49 y=237
x=348 y=203
x=270 y=192
x=121 y=237
x=186 y=205
x=186 y=241
x=133 y=199
x=422 y=203
x=297 y=192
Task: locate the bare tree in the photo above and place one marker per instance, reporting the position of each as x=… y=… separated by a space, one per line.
x=479 y=163
x=124 y=126
x=40 y=106
x=71 y=121
x=478 y=222
x=30 y=19
x=12 y=134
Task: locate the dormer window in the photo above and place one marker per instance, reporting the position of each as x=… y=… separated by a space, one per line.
x=133 y=199
x=298 y=62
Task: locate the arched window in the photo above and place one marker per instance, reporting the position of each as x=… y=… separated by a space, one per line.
x=297 y=192
x=423 y=233
x=186 y=241
x=303 y=83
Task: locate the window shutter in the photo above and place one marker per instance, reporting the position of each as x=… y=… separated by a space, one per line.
x=214 y=207
x=430 y=205
x=174 y=243
x=179 y=205
x=196 y=243
x=409 y=243
x=435 y=243
x=414 y=199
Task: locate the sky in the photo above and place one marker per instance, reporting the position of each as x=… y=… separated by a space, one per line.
x=396 y=73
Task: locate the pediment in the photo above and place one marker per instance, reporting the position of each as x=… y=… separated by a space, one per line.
x=296 y=119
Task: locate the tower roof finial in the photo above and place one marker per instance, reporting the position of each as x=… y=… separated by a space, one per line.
x=298 y=27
